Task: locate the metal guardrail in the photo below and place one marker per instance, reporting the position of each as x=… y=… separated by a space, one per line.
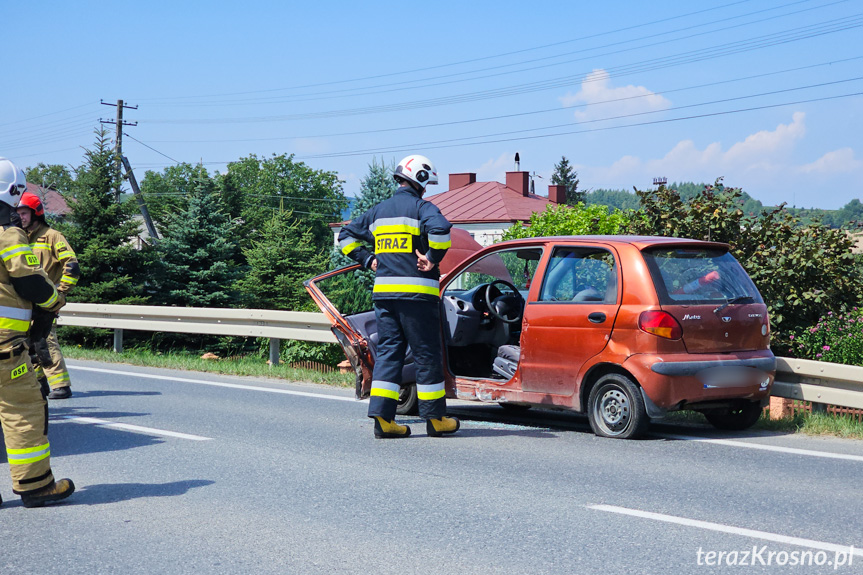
x=819 y=382
x=815 y=381
x=276 y=325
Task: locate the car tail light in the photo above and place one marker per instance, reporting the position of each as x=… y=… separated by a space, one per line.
x=660 y=323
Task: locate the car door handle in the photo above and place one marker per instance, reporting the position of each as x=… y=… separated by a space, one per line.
x=596 y=317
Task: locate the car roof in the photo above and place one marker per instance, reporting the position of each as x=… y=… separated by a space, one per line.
x=640 y=242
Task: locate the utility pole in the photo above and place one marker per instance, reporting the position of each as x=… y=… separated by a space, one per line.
x=118 y=142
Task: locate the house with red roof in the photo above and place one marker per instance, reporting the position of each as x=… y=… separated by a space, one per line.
x=55 y=205
x=487 y=209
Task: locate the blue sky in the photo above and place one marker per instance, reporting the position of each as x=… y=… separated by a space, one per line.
x=765 y=93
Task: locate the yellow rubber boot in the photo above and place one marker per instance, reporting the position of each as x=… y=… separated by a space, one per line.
x=442 y=426
x=390 y=429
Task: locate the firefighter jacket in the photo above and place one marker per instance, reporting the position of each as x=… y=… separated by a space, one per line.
x=397 y=227
x=23 y=283
x=56 y=256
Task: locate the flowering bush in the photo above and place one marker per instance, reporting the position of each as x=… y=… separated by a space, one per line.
x=837 y=338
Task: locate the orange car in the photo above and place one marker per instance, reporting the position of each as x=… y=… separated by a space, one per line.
x=623 y=328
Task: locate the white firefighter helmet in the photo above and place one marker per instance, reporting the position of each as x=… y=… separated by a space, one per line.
x=417 y=169
x=12 y=183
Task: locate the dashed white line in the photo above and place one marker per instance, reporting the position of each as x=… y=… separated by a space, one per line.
x=136 y=428
x=764 y=535
x=762 y=446
x=214 y=383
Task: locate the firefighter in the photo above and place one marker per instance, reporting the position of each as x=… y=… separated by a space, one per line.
x=59 y=262
x=25 y=293
x=410 y=237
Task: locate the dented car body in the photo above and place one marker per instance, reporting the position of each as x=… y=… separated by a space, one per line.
x=623 y=328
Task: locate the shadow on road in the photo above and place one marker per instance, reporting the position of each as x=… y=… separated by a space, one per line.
x=114 y=492
x=98 y=393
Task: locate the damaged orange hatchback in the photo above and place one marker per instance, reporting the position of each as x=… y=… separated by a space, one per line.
x=623 y=328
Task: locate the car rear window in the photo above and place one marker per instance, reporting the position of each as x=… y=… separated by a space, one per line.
x=691 y=276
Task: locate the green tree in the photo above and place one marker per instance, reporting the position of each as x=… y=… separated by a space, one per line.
x=104 y=233
x=253 y=189
x=53 y=176
x=803 y=270
x=280 y=259
x=565 y=175
x=569 y=221
x=198 y=253
x=378 y=185
x=168 y=192
x=620 y=199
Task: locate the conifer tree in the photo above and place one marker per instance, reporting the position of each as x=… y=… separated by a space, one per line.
x=377 y=186
x=280 y=259
x=198 y=253
x=565 y=175
x=104 y=233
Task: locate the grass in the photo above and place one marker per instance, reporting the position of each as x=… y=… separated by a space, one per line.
x=243 y=366
x=815 y=424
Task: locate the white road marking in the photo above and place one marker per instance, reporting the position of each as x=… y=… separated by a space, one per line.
x=774 y=537
x=214 y=383
x=137 y=428
x=762 y=446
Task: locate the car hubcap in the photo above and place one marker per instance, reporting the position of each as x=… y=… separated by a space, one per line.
x=614 y=409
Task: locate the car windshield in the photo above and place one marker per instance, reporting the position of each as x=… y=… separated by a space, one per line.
x=692 y=276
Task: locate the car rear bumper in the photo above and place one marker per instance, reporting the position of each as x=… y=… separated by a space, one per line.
x=672 y=381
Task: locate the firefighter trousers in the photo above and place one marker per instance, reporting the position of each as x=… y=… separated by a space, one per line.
x=402 y=323
x=56 y=372
x=24 y=417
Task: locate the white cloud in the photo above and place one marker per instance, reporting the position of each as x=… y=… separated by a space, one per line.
x=840 y=161
x=598 y=99
x=496 y=169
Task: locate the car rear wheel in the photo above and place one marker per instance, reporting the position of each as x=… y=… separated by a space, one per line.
x=407 y=400
x=616 y=409
x=737 y=418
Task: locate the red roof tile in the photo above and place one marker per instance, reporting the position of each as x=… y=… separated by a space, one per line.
x=54 y=203
x=487 y=202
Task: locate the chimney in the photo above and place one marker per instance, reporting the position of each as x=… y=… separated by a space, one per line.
x=461 y=180
x=557 y=194
x=518 y=181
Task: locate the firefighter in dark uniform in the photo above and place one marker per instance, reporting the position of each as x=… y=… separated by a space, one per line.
x=410 y=237
x=26 y=294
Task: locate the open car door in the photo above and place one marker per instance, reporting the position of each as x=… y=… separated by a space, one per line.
x=353 y=342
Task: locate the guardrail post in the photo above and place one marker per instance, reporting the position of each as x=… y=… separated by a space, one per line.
x=274 y=351
x=819 y=407
x=118 y=341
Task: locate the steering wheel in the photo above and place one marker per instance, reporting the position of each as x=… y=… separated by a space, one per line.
x=504 y=303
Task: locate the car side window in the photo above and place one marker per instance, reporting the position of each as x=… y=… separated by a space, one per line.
x=580 y=275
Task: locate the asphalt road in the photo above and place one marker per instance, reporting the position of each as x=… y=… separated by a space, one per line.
x=238 y=475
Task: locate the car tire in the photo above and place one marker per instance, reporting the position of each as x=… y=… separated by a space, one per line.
x=408 y=403
x=736 y=418
x=615 y=408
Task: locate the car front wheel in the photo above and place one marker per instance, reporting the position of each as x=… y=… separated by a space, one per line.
x=616 y=409
x=408 y=400
x=737 y=418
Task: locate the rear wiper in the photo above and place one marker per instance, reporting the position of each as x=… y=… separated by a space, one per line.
x=734 y=300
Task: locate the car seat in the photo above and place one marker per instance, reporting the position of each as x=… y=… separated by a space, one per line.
x=506 y=361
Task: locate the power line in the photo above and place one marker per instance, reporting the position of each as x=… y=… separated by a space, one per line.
x=154 y=149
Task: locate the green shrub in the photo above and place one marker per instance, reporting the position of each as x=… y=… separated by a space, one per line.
x=837 y=338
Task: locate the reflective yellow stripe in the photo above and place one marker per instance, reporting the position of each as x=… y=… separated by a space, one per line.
x=14 y=324
x=65 y=255
x=396 y=229
x=440 y=245
x=350 y=247
x=11 y=252
x=428 y=396
x=50 y=301
x=69 y=280
x=39 y=246
x=385 y=393
x=405 y=288
x=59 y=378
x=28 y=454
